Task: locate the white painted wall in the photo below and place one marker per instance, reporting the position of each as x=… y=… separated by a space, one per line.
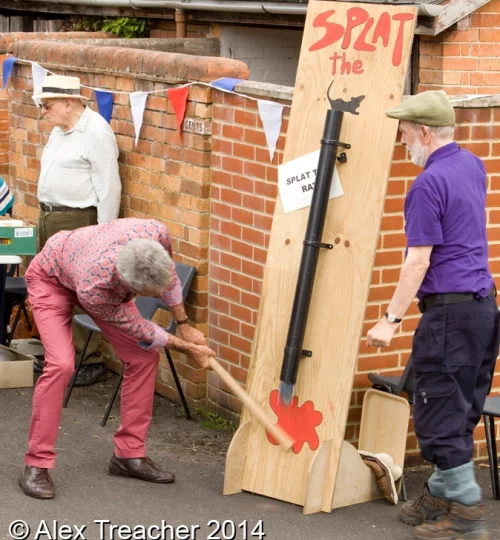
x=271 y=54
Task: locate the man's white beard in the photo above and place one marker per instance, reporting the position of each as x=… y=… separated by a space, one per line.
x=417 y=154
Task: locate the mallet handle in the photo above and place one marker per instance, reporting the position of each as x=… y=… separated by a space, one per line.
x=276 y=431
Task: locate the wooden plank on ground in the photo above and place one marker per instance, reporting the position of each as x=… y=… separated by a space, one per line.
x=364 y=49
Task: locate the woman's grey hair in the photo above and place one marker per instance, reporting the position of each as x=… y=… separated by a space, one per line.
x=144 y=263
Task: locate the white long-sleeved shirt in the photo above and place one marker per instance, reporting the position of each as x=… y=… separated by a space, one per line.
x=79 y=168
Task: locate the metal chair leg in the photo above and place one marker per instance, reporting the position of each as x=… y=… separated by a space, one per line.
x=20 y=308
x=404 y=494
x=25 y=313
x=77 y=369
x=495 y=456
x=178 y=385
x=113 y=397
x=491 y=444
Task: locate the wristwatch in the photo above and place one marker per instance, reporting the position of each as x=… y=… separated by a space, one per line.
x=392 y=318
x=184 y=321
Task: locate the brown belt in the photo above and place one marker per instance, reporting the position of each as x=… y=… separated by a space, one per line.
x=46 y=207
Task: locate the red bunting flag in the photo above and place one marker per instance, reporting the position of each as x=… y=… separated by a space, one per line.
x=178 y=98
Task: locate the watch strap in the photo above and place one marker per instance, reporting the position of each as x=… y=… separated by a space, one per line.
x=182 y=321
x=391 y=318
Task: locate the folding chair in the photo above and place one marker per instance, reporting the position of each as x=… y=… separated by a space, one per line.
x=491 y=410
x=396 y=384
x=147 y=307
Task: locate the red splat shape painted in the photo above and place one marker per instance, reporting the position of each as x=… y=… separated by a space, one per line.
x=299 y=422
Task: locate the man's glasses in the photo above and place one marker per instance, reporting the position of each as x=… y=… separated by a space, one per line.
x=47 y=106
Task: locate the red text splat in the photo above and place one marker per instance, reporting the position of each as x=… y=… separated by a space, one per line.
x=299 y=422
x=357 y=28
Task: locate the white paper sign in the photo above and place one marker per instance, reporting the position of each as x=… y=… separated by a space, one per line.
x=296 y=180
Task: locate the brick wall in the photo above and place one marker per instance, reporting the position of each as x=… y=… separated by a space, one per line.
x=166 y=176
x=243 y=192
x=4 y=133
x=464 y=59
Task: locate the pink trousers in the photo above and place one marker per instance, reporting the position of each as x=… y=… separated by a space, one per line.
x=52 y=306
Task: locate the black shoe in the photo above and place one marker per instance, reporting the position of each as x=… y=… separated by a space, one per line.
x=90 y=374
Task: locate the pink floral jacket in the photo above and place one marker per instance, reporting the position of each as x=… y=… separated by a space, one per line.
x=84 y=261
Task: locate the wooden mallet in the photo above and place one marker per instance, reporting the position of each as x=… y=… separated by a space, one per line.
x=276 y=431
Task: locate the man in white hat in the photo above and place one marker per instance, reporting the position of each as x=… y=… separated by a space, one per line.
x=79 y=182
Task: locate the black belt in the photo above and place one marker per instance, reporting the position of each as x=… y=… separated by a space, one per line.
x=46 y=207
x=450 y=298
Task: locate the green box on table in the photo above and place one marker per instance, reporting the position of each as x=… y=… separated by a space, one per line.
x=19 y=240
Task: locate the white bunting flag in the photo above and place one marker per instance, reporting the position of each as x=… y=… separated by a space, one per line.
x=137 y=105
x=38 y=74
x=270 y=114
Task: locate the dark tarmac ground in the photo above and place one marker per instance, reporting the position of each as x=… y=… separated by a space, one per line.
x=93 y=505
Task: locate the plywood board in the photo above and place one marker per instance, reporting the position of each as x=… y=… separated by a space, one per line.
x=235 y=464
x=318 y=472
x=355 y=482
x=364 y=50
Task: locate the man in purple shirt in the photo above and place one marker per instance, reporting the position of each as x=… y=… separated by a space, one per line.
x=456 y=343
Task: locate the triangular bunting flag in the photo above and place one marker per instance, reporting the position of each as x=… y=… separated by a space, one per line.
x=226 y=83
x=7 y=66
x=38 y=73
x=178 y=97
x=137 y=105
x=270 y=114
x=104 y=103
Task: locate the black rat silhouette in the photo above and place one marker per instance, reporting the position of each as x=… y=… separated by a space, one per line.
x=344 y=106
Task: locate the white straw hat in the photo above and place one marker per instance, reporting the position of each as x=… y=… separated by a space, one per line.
x=60 y=86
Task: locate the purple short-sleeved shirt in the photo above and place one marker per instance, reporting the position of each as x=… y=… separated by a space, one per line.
x=445 y=208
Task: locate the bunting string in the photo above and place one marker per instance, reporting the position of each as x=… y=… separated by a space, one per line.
x=270 y=112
